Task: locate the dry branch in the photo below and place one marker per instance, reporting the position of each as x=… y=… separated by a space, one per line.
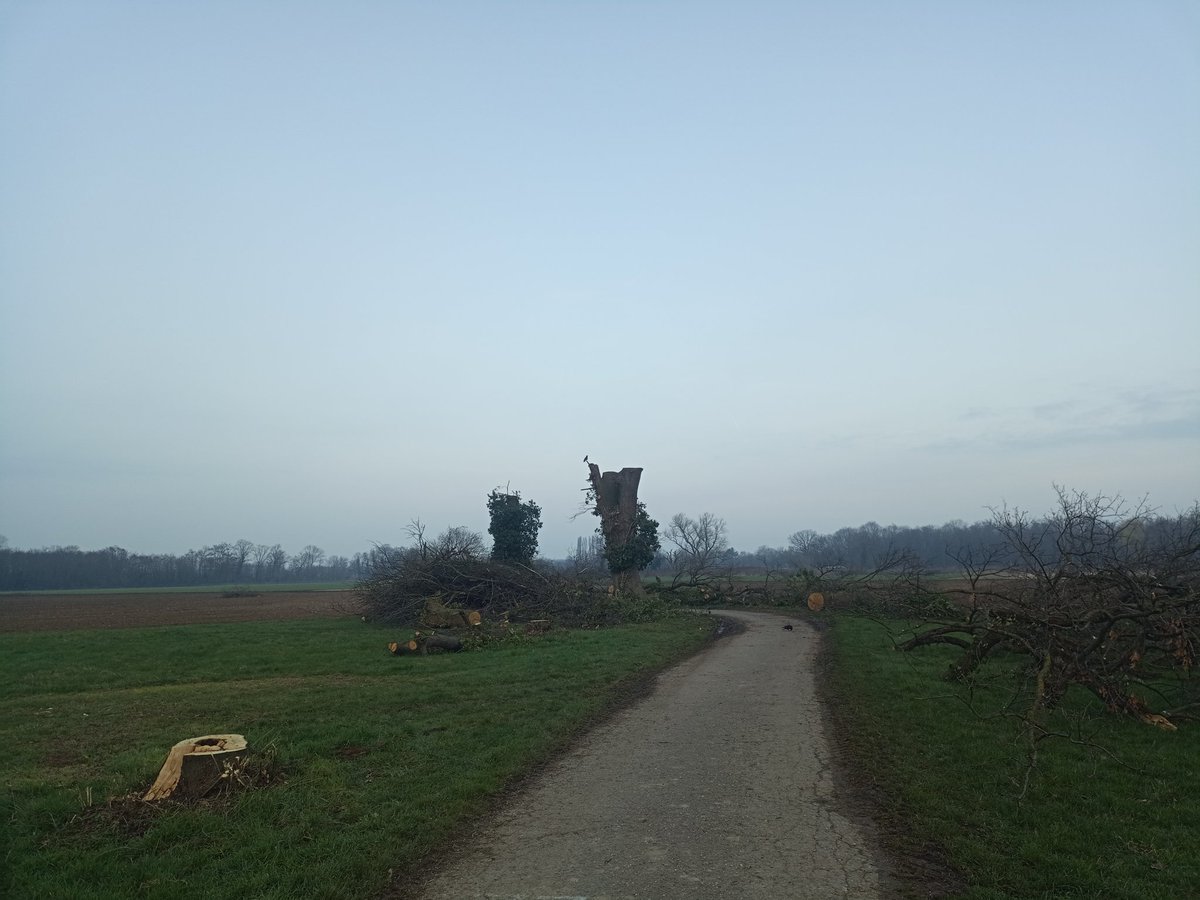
x=445 y=593
x=1096 y=596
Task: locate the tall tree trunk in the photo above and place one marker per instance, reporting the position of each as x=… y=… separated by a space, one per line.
x=628 y=582
x=616 y=501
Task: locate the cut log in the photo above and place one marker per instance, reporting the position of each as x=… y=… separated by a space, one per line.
x=438 y=615
x=422 y=643
x=195 y=766
x=445 y=642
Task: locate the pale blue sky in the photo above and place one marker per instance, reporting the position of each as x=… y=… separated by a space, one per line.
x=300 y=272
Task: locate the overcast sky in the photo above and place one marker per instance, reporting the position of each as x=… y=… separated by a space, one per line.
x=301 y=272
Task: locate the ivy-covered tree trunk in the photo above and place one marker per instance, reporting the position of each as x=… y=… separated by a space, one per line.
x=628 y=582
x=617 y=506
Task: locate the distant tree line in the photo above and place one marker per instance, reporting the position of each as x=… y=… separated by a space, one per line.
x=696 y=550
x=932 y=548
x=699 y=547
x=514 y=528
x=240 y=562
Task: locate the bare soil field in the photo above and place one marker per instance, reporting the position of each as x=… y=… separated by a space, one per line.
x=60 y=612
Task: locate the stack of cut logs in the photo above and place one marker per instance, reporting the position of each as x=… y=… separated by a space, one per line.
x=437 y=615
x=422 y=643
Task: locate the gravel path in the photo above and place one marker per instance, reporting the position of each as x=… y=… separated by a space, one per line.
x=718 y=785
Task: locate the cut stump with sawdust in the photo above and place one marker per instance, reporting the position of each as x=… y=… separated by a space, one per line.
x=195 y=766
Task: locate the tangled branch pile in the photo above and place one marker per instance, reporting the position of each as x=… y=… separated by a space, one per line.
x=1096 y=596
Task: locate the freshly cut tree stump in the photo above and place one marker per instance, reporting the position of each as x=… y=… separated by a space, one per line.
x=195 y=766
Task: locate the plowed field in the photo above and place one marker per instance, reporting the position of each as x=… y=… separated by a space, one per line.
x=58 y=612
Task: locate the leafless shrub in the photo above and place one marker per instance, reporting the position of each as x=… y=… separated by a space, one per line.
x=699 y=549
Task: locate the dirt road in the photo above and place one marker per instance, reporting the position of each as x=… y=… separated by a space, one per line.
x=718 y=785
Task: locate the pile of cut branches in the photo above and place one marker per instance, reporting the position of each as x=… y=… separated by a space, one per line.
x=400 y=588
x=1097 y=595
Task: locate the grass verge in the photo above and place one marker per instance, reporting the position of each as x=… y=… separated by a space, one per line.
x=1117 y=822
x=374 y=760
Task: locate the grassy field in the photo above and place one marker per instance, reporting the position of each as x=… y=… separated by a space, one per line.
x=373 y=760
x=1125 y=825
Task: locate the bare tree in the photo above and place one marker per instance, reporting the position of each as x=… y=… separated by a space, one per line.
x=803 y=542
x=588 y=559
x=700 y=548
x=261 y=555
x=338 y=567
x=242 y=550
x=308 y=559
x=416 y=531
x=217 y=562
x=773 y=562
x=277 y=560
x=458 y=542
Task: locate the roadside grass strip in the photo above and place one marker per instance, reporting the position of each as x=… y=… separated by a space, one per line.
x=1118 y=822
x=374 y=760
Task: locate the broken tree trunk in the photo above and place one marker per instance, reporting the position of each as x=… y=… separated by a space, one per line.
x=616 y=502
x=195 y=766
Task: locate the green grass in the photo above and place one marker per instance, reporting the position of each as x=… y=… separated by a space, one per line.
x=1089 y=826
x=382 y=757
x=202 y=589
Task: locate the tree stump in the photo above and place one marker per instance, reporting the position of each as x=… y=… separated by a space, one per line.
x=195 y=766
